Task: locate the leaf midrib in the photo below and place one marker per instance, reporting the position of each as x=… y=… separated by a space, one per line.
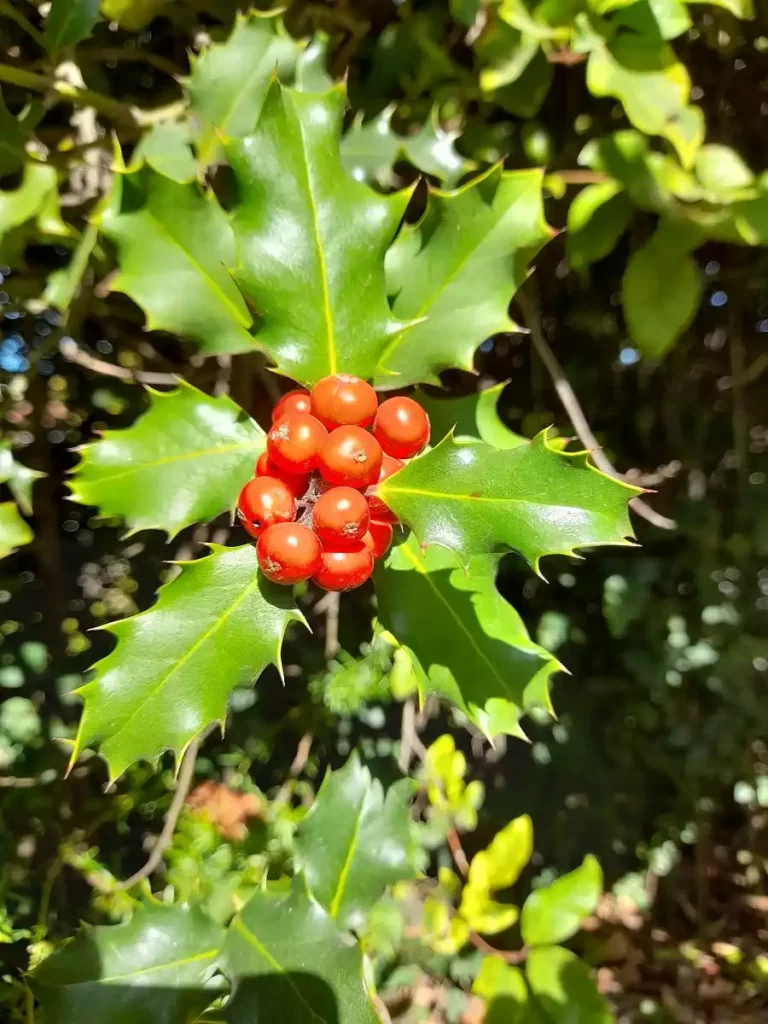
x=338 y=895
x=207 y=955
x=166 y=460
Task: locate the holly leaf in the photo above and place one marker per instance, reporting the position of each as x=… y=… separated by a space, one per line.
x=166 y=148
x=474 y=248
x=471 y=417
x=467 y=644
x=533 y=499
x=597 y=218
x=184 y=461
x=320 y=290
x=14 y=532
x=311 y=72
x=12 y=139
x=288 y=961
x=19 y=478
x=229 y=81
x=355 y=842
x=174 y=245
x=213 y=628
x=152 y=967
x=69 y=21
x=555 y=912
x=564 y=989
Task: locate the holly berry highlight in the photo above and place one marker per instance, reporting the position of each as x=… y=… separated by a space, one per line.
x=312 y=505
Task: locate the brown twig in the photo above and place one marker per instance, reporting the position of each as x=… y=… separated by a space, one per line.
x=74 y=354
x=512 y=956
x=457 y=851
x=579 y=177
x=297 y=767
x=183 y=783
x=566 y=56
x=572 y=406
x=330 y=606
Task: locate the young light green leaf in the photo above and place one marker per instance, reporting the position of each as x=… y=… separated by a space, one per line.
x=355 y=842
x=174 y=245
x=504 y=990
x=471 y=417
x=722 y=172
x=555 y=912
x=152 y=967
x=19 y=478
x=467 y=643
x=494 y=869
x=62 y=285
x=229 y=81
x=661 y=290
x=597 y=218
x=311 y=241
x=184 y=461
x=475 y=500
x=35 y=197
x=288 y=961
x=12 y=138
x=564 y=989
x=166 y=148
x=215 y=627
x=14 y=532
x=476 y=244
x=69 y=21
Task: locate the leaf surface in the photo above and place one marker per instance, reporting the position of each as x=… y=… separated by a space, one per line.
x=468 y=644
x=19 y=478
x=504 y=989
x=184 y=461
x=175 y=244
x=166 y=148
x=216 y=626
x=149 y=968
x=474 y=248
x=555 y=912
x=563 y=988
x=69 y=21
x=355 y=841
x=289 y=962
x=14 y=531
x=597 y=218
x=475 y=500
x=311 y=241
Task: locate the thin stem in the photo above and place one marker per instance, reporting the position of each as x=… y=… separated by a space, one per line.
x=297 y=767
x=115 y=53
x=572 y=406
x=579 y=177
x=511 y=956
x=9 y=11
x=73 y=354
x=457 y=851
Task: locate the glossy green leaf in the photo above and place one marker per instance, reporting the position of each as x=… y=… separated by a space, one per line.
x=62 y=285
x=12 y=139
x=174 y=245
x=597 y=218
x=289 y=961
x=14 y=532
x=19 y=478
x=471 y=417
x=556 y=911
x=311 y=66
x=166 y=148
x=722 y=172
x=311 y=241
x=474 y=500
x=563 y=988
x=152 y=967
x=432 y=151
x=216 y=626
x=229 y=81
x=504 y=990
x=69 y=21
x=475 y=247
x=467 y=643
x=355 y=842
x=661 y=290
x=184 y=461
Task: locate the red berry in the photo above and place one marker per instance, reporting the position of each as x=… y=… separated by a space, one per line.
x=344 y=570
x=340 y=517
x=342 y=400
x=288 y=553
x=294 y=441
x=263 y=502
x=297 y=483
x=377 y=507
x=294 y=402
x=378 y=539
x=349 y=455
x=401 y=427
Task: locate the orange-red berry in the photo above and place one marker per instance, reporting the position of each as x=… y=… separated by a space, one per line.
x=343 y=400
x=379 y=510
x=340 y=517
x=263 y=502
x=297 y=483
x=401 y=427
x=344 y=570
x=294 y=441
x=288 y=553
x=293 y=402
x=378 y=538
x=350 y=455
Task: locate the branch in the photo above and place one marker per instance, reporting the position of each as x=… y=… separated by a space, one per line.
x=572 y=406
x=579 y=177
x=74 y=354
x=512 y=956
x=186 y=774
x=297 y=767
x=9 y=11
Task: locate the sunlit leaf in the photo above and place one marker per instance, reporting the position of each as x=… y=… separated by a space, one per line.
x=556 y=911
x=14 y=532
x=597 y=218
x=564 y=989
x=184 y=461
x=166 y=148
x=36 y=197
x=504 y=989
x=19 y=478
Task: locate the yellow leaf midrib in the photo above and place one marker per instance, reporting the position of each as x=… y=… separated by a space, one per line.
x=168 y=459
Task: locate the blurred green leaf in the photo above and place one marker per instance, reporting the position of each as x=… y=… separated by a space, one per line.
x=19 y=478
x=504 y=989
x=14 y=532
x=311 y=66
x=493 y=869
x=133 y=15
x=555 y=912
x=69 y=21
x=597 y=218
x=355 y=841
x=166 y=148
x=62 y=284
x=564 y=989
x=473 y=417
x=722 y=172
x=36 y=197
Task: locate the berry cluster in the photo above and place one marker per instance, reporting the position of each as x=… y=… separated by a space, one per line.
x=312 y=505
